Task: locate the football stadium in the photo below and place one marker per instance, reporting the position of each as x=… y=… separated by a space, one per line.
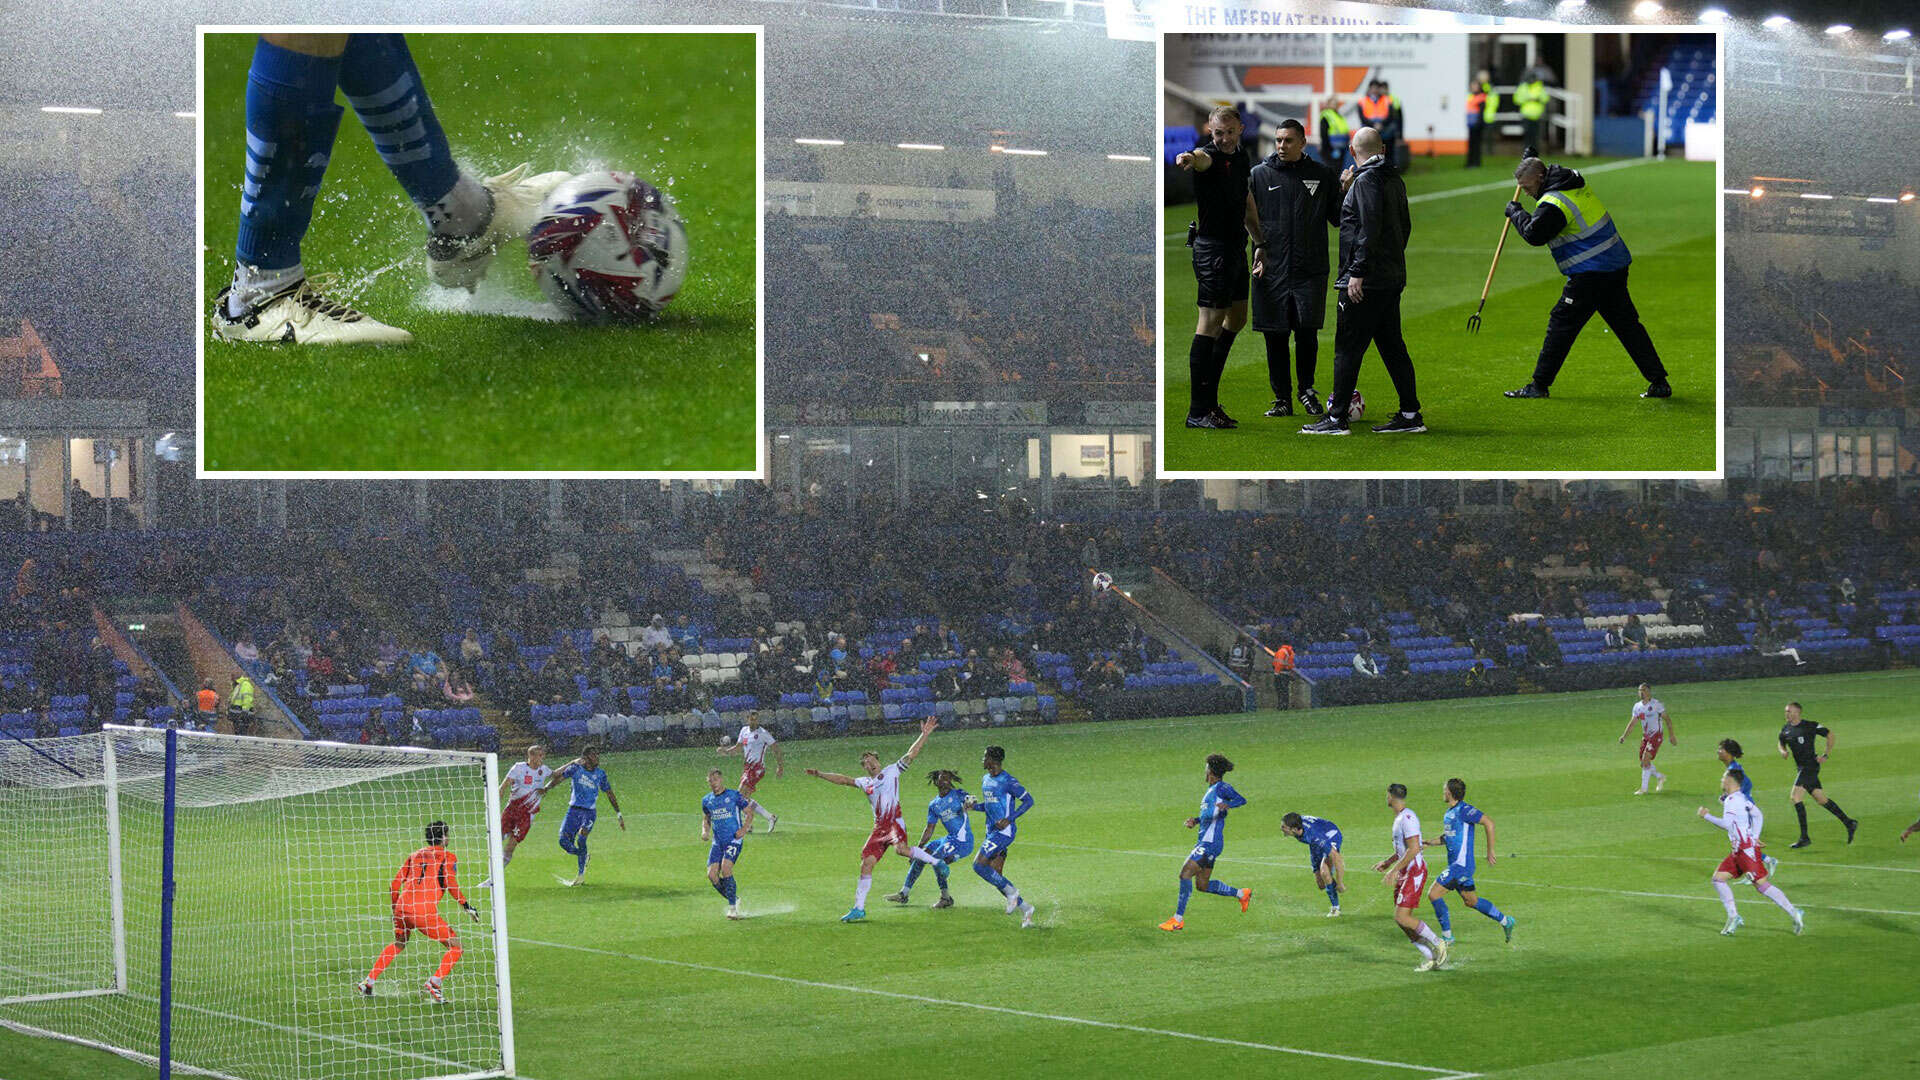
x=1634 y=121
x=400 y=779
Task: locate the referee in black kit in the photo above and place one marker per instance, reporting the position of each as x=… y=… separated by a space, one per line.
x=1220 y=166
x=1796 y=739
x=1291 y=201
x=1374 y=226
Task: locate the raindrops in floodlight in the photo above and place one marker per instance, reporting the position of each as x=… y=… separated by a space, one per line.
x=1776 y=22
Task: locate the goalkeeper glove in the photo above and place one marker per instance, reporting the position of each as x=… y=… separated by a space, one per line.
x=472 y=912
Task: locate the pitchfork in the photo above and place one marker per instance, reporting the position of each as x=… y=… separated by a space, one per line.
x=1473 y=320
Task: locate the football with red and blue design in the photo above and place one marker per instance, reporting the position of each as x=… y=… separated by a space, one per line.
x=608 y=247
x=1358 y=408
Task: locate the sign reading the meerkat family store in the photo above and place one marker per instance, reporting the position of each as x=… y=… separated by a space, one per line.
x=879 y=201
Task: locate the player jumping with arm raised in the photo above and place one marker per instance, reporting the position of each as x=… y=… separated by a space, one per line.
x=1655 y=727
x=1323 y=840
x=1212 y=823
x=950 y=809
x=1742 y=820
x=1405 y=872
x=881 y=785
x=589 y=780
x=415 y=892
x=726 y=816
x=752 y=745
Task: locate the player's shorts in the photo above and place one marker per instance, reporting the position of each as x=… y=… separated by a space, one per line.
x=995 y=845
x=1808 y=778
x=751 y=776
x=1412 y=883
x=1317 y=855
x=949 y=849
x=1204 y=854
x=417 y=919
x=1744 y=861
x=516 y=820
x=1220 y=270
x=885 y=834
x=1650 y=744
x=579 y=821
x=1457 y=878
x=727 y=852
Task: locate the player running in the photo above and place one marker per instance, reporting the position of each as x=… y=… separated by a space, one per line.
x=1742 y=820
x=950 y=809
x=1655 y=727
x=1729 y=753
x=1405 y=872
x=589 y=780
x=1456 y=832
x=415 y=892
x=1003 y=800
x=882 y=788
x=520 y=793
x=752 y=744
x=726 y=817
x=1212 y=823
x=1797 y=737
x=1323 y=839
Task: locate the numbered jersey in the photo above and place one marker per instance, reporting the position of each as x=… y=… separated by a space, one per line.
x=525 y=783
x=1652 y=716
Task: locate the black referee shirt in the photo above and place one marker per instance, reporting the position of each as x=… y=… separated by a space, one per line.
x=1798 y=739
x=1222 y=192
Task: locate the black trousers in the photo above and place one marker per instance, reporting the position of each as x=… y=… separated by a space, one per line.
x=1373 y=321
x=1530 y=133
x=1476 y=137
x=1306 y=352
x=1584 y=295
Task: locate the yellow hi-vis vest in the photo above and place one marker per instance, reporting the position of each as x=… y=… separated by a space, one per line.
x=1333 y=124
x=242 y=696
x=1492 y=103
x=1532 y=99
x=1588 y=243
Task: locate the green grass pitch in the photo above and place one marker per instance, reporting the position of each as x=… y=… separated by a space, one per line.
x=1595 y=419
x=492 y=383
x=1617 y=968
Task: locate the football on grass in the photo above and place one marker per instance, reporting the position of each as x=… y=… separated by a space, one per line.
x=608 y=247
x=1359 y=407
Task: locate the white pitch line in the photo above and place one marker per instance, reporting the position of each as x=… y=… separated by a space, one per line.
x=1789 y=862
x=1443 y=1074
x=1504 y=882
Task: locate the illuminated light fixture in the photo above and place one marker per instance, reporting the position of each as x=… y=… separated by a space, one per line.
x=1646 y=9
x=1757 y=191
x=1838 y=29
x=1906 y=196
x=918 y=146
x=1812 y=195
x=186 y=115
x=1128 y=157
x=1017 y=152
x=1571 y=4
x=1714 y=15
x=1896 y=35
x=821 y=142
x=74 y=110
x=1881 y=199
x=1733 y=191
x=1776 y=22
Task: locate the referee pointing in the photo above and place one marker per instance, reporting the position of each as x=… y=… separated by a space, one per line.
x=1374 y=226
x=1571 y=221
x=1291 y=201
x=1220 y=166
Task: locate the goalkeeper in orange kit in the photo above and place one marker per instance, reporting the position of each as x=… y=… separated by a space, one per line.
x=426 y=876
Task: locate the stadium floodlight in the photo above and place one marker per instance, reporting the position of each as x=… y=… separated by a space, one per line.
x=821 y=142
x=70 y=110
x=1715 y=15
x=1839 y=29
x=241 y=886
x=918 y=146
x=1816 y=195
x=1896 y=35
x=1883 y=199
x=1757 y=191
x=1906 y=196
x=1573 y=4
x=186 y=115
x=1128 y=157
x=1776 y=22
x=1734 y=191
x=1017 y=152
x=1646 y=9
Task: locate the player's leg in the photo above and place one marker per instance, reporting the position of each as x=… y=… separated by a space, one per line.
x=1564 y=323
x=441 y=931
x=1616 y=308
x=1432 y=949
x=1721 y=876
x=1221 y=888
x=868 y=860
x=918 y=854
x=1798 y=795
x=401 y=928
x=1230 y=328
x=725 y=883
x=1189 y=870
x=1764 y=885
x=1437 y=896
x=1832 y=807
x=1203 y=392
x=943 y=874
x=988 y=865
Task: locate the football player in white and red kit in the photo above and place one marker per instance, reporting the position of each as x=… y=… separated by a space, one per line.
x=1405 y=872
x=1655 y=727
x=1742 y=820
x=754 y=742
x=520 y=800
x=882 y=787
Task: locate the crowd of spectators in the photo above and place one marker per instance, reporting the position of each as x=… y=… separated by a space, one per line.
x=1804 y=335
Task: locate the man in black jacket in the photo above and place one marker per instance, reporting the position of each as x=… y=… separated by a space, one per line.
x=1374 y=227
x=1291 y=201
x=1570 y=219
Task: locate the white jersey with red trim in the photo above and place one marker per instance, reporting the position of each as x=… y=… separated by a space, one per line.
x=883 y=791
x=1406 y=826
x=1651 y=715
x=754 y=743
x=1742 y=820
x=524 y=783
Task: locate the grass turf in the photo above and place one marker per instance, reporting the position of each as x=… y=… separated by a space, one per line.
x=490 y=383
x=1616 y=969
x=1594 y=420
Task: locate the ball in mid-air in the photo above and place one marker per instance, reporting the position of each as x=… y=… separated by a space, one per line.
x=608 y=246
x=1102 y=581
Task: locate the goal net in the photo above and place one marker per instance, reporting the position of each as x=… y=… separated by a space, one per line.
x=282 y=854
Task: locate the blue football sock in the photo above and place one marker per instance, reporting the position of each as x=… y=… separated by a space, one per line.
x=1440 y=912
x=940 y=872
x=913 y=875
x=731 y=890
x=1333 y=895
x=1485 y=907
x=720 y=886
x=992 y=877
x=380 y=80
x=566 y=843
x=1221 y=888
x=291 y=122
x=1186 y=893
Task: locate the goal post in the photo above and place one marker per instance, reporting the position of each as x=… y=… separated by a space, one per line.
x=281 y=857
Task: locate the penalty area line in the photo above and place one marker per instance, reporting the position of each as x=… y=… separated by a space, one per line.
x=1689 y=896
x=1441 y=1074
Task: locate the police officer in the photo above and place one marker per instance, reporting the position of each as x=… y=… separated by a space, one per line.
x=1220 y=166
x=1291 y=202
x=1374 y=226
x=1531 y=98
x=1569 y=219
x=1334 y=134
x=1482 y=104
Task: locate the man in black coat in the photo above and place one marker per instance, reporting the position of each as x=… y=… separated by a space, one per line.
x=1291 y=201
x=1374 y=227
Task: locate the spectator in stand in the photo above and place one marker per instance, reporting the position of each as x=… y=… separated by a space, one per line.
x=1634 y=635
x=245 y=649
x=373 y=730
x=319 y=667
x=206 y=706
x=880 y=671
x=1363 y=664
x=454 y=686
x=148 y=695
x=946 y=684
x=471 y=651
x=685 y=634
x=655 y=635
x=419 y=692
